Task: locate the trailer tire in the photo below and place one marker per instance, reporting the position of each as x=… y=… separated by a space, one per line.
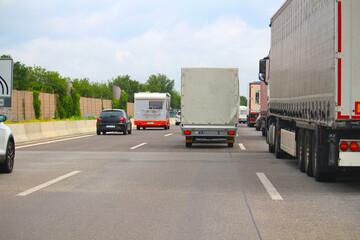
x=230 y=145
x=308 y=149
x=188 y=144
x=263 y=131
x=300 y=150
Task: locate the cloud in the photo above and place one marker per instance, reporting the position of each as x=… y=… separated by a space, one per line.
x=101 y=41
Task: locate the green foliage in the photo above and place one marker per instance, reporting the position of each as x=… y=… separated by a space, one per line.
x=39 y=79
x=243 y=101
x=160 y=83
x=175 y=100
x=37 y=104
x=75 y=97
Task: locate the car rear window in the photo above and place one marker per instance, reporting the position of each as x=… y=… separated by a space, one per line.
x=111 y=114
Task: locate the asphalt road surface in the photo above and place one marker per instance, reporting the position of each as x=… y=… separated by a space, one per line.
x=148 y=185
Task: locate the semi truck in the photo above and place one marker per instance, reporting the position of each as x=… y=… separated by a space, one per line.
x=314 y=88
x=152 y=110
x=209 y=104
x=264 y=97
x=254 y=103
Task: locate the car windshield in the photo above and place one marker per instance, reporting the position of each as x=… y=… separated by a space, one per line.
x=111 y=114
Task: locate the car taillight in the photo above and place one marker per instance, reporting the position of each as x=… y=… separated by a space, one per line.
x=344 y=146
x=122 y=119
x=354 y=146
x=252 y=119
x=99 y=119
x=187 y=132
x=231 y=133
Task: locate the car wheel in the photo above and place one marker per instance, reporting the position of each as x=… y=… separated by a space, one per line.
x=137 y=127
x=8 y=165
x=129 y=132
x=98 y=132
x=104 y=132
x=125 y=132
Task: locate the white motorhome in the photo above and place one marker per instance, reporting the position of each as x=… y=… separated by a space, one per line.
x=152 y=110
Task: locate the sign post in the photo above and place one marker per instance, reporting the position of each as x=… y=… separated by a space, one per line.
x=6 y=81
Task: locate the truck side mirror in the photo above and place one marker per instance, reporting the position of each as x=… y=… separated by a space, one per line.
x=262 y=70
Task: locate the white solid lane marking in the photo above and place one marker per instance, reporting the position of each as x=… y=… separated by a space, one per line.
x=37 y=188
x=138 y=145
x=242 y=147
x=54 y=141
x=274 y=194
x=168 y=135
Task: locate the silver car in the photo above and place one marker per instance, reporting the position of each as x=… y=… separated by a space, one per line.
x=7 y=147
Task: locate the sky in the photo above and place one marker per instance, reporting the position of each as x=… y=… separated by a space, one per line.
x=102 y=39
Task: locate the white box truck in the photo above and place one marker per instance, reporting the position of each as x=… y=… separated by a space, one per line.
x=314 y=86
x=254 y=103
x=209 y=104
x=152 y=110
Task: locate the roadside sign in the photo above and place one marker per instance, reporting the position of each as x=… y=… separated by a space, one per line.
x=6 y=81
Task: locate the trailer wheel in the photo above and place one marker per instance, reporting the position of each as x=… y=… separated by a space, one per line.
x=300 y=150
x=188 y=144
x=319 y=153
x=230 y=145
x=308 y=149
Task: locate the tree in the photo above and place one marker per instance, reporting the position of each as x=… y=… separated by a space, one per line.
x=128 y=85
x=175 y=100
x=160 y=83
x=243 y=101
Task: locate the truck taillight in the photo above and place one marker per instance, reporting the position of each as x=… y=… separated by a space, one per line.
x=354 y=146
x=99 y=119
x=347 y=145
x=187 y=132
x=344 y=146
x=231 y=133
x=252 y=119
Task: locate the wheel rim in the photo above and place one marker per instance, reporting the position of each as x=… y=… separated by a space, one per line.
x=10 y=156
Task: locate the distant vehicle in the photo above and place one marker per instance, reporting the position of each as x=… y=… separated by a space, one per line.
x=7 y=147
x=254 y=103
x=90 y=116
x=209 y=104
x=113 y=120
x=178 y=118
x=152 y=110
x=243 y=112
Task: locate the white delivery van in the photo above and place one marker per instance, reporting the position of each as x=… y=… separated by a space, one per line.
x=243 y=112
x=152 y=110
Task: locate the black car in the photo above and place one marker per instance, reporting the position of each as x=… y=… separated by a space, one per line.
x=113 y=120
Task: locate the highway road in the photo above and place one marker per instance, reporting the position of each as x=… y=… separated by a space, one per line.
x=148 y=185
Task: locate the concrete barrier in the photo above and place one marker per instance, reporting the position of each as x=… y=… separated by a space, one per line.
x=33 y=131
x=48 y=129
x=25 y=132
x=61 y=129
x=19 y=133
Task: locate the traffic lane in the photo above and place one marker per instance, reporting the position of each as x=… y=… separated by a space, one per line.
x=309 y=209
x=137 y=195
x=252 y=140
x=152 y=140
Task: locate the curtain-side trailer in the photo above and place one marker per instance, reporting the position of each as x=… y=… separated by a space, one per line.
x=254 y=103
x=314 y=86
